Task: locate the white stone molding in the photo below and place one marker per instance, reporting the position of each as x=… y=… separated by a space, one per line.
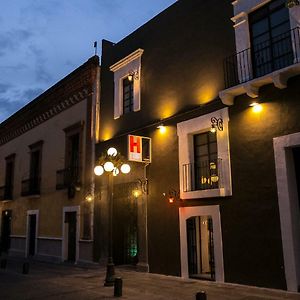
x=288 y=207
x=213 y=211
x=30 y=213
x=121 y=69
x=65 y=235
x=185 y=132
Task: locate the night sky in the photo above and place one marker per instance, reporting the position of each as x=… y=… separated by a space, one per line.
x=41 y=41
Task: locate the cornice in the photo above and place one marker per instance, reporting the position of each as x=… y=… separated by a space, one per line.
x=43 y=116
x=126 y=60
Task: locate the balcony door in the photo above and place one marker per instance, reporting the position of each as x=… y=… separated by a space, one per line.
x=270 y=33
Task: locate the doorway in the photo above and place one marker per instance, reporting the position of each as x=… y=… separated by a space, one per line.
x=32 y=235
x=200 y=244
x=70 y=235
x=296 y=155
x=5 y=230
x=32 y=231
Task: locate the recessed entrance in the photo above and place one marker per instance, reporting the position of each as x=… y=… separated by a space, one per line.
x=5 y=230
x=32 y=235
x=200 y=244
x=71 y=230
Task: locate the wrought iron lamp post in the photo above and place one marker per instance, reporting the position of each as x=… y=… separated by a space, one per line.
x=111 y=163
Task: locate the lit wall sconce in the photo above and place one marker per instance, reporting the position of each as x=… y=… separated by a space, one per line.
x=216 y=124
x=256 y=107
x=162 y=128
x=173 y=196
x=291 y=3
x=133 y=75
x=89 y=197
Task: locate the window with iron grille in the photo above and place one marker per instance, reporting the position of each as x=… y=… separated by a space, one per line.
x=206 y=160
x=127 y=95
x=270 y=38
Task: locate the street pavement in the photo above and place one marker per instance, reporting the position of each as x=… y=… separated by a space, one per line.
x=60 y=281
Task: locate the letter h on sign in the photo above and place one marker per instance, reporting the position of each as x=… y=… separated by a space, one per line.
x=139 y=148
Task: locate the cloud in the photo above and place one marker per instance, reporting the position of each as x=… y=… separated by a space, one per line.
x=13 y=39
x=41 y=73
x=4 y=88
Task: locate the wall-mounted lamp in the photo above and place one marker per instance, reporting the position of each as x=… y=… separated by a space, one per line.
x=173 y=196
x=256 y=107
x=133 y=75
x=162 y=128
x=89 y=197
x=216 y=124
x=291 y=3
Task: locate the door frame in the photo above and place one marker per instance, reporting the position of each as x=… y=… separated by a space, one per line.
x=30 y=213
x=289 y=210
x=64 y=254
x=213 y=211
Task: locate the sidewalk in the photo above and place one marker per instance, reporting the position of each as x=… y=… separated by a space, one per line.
x=51 y=281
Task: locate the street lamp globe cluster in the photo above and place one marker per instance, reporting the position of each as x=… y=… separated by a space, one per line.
x=111 y=163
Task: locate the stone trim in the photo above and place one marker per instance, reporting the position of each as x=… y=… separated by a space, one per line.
x=43 y=116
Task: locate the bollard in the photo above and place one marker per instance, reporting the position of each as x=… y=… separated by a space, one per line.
x=118 y=287
x=25 y=268
x=201 y=296
x=3 y=263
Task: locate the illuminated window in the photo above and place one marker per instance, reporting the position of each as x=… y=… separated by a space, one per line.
x=205 y=161
x=204 y=158
x=127 y=95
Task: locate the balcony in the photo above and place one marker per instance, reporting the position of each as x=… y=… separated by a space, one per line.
x=206 y=175
x=6 y=193
x=66 y=177
x=271 y=61
x=31 y=187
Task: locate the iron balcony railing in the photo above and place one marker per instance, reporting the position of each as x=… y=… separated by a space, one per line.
x=31 y=186
x=205 y=175
x=6 y=192
x=270 y=55
x=66 y=177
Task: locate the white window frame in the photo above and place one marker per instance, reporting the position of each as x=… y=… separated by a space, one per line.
x=195 y=211
x=186 y=130
x=121 y=69
x=30 y=213
x=288 y=207
x=76 y=209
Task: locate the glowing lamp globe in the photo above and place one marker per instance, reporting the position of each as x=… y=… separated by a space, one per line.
x=125 y=168
x=112 y=151
x=109 y=166
x=98 y=170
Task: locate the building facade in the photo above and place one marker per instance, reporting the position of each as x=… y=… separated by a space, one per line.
x=216 y=198
x=46 y=158
x=167 y=75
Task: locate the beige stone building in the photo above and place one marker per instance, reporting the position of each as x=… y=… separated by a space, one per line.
x=46 y=171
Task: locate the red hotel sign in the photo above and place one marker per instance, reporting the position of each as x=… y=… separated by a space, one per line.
x=139 y=148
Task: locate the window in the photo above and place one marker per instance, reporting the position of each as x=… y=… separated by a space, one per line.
x=127 y=95
x=31 y=186
x=204 y=160
x=6 y=192
x=270 y=38
x=70 y=176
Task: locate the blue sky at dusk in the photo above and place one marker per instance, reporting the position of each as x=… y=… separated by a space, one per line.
x=41 y=41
